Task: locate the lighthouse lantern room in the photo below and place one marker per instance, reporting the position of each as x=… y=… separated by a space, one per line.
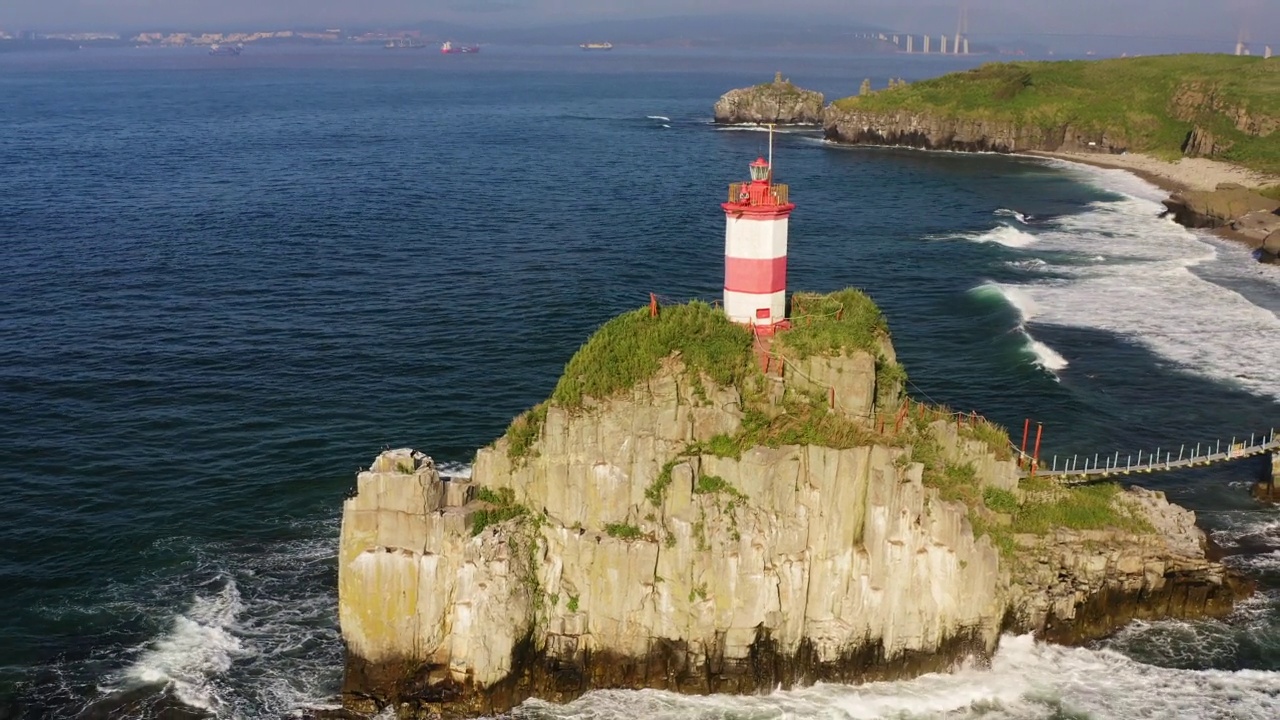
x=755 y=250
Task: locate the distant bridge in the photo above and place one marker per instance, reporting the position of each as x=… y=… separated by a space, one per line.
x=1083 y=469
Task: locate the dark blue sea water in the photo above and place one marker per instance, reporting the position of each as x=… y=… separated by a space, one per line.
x=229 y=282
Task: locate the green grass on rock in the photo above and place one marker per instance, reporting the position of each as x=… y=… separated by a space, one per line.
x=630 y=348
x=1153 y=103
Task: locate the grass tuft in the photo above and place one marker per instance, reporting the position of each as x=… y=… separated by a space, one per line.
x=504 y=508
x=623 y=531
x=828 y=324
x=524 y=431
x=630 y=349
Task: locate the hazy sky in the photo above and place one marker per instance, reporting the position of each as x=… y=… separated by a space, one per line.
x=1192 y=18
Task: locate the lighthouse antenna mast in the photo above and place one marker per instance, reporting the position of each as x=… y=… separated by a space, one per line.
x=770 y=153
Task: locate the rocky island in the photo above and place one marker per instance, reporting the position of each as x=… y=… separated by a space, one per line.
x=1178 y=120
x=699 y=511
x=779 y=102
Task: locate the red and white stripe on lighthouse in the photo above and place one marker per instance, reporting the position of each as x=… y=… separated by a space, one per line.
x=755 y=251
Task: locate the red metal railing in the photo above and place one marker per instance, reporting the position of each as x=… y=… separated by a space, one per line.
x=758 y=195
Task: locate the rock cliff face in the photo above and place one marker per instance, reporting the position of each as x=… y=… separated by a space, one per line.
x=941 y=132
x=620 y=551
x=776 y=102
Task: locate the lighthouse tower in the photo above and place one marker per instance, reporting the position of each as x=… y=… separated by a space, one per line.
x=755 y=251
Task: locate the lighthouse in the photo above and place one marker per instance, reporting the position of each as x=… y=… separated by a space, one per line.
x=755 y=250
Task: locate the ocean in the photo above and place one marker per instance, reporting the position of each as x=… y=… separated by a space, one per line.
x=229 y=282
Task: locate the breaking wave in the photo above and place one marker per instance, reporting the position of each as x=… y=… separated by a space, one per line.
x=199 y=646
x=1192 y=299
x=1027 y=308
x=1006 y=235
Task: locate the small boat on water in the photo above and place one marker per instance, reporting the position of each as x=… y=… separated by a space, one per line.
x=218 y=49
x=596 y=46
x=449 y=48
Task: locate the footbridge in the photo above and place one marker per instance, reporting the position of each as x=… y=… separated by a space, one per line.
x=1105 y=467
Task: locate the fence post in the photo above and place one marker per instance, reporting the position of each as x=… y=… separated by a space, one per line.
x=1184 y=447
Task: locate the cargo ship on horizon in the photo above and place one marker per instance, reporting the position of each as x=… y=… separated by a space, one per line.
x=449 y=48
x=596 y=46
x=403 y=44
x=218 y=49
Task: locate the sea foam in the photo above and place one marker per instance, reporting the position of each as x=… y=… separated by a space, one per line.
x=1026 y=679
x=1005 y=235
x=1143 y=277
x=198 y=647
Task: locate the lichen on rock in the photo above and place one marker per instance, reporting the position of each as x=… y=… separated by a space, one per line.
x=703 y=520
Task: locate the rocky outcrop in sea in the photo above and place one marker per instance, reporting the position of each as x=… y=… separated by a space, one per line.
x=779 y=102
x=635 y=541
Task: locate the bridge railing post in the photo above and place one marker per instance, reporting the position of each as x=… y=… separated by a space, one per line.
x=1026 y=431
x=1035 y=457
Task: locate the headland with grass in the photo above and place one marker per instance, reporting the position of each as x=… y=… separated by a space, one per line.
x=1205 y=127
x=701 y=510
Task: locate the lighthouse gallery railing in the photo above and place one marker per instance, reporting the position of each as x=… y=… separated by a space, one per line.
x=775 y=194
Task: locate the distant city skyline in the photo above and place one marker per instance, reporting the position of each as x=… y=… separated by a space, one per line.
x=1257 y=20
